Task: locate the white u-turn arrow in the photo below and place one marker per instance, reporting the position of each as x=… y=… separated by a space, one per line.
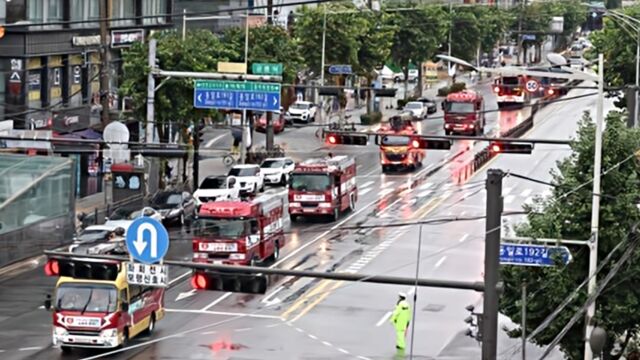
x=141 y=245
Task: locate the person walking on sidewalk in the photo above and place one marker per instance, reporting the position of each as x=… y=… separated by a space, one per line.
x=400 y=319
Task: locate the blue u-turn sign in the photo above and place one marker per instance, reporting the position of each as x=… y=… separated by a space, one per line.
x=147 y=240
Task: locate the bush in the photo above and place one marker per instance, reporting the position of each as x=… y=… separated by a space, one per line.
x=446 y=90
x=370 y=118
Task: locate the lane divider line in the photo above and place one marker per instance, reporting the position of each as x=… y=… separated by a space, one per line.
x=223 y=313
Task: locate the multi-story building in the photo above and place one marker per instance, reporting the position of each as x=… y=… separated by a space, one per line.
x=50 y=61
x=50 y=67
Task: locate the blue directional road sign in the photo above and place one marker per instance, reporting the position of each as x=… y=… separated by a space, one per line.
x=147 y=240
x=340 y=69
x=236 y=95
x=533 y=255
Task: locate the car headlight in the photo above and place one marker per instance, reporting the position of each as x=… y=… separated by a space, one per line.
x=109 y=333
x=294 y=204
x=236 y=257
x=59 y=331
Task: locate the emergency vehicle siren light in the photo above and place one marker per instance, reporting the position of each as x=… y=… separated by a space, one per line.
x=511 y=148
x=433 y=144
x=87 y=269
x=346 y=139
x=231 y=282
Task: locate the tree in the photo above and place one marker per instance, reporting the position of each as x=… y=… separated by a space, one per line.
x=465 y=41
x=493 y=24
x=267 y=44
x=619 y=49
x=567 y=215
x=200 y=52
x=418 y=36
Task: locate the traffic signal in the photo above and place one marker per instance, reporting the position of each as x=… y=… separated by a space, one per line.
x=242 y=283
x=200 y=136
x=92 y=270
x=510 y=148
x=328 y=91
x=433 y=144
x=346 y=139
x=474 y=322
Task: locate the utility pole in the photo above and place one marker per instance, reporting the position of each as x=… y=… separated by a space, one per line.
x=492 y=264
x=520 y=50
x=105 y=92
x=635 y=91
x=245 y=121
x=524 y=321
x=268 y=113
x=449 y=39
x=151 y=92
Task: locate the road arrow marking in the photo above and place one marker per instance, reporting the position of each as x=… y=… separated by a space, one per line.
x=272 y=302
x=184 y=295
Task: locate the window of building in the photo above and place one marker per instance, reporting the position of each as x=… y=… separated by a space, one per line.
x=154 y=7
x=82 y=10
x=122 y=9
x=44 y=11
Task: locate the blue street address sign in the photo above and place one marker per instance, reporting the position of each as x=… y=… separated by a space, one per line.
x=533 y=255
x=340 y=69
x=236 y=95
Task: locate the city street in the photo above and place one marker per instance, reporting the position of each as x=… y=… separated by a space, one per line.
x=325 y=318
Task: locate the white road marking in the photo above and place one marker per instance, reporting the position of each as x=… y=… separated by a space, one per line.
x=184 y=295
x=363 y=357
x=364 y=191
x=529 y=200
x=526 y=193
x=273 y=325
x=383 y=319
x=216 y=301
x=327 y=343
x=442 y=259
x=342 y=350
x=312 y=336
x=222 y=313
x=366 y=184
x=212 y=141
x=387 y=184
x=509 y=199
x=425 y=186
x=32 y=348
x=209 y=332
x=267 y=299
x=506 y=191
x=243 y=329
x=405 y=192
x=173 y=281
x=369 y=173
x=425 y=193
x=464 y=237
x=299 y=330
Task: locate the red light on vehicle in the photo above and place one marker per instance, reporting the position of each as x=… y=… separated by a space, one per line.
x=415 y=144
x=551 y=91
x=52 y=268
x=332 y=139
x=496 y=89
x=199 y=282
x=496 y=148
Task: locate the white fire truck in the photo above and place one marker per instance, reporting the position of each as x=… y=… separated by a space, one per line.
x=323 y=187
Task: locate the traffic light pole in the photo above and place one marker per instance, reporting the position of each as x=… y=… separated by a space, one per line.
x=151 y=92
x=196 y=156
x=492 y=264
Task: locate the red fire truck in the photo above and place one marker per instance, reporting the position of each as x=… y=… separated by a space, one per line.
x=240 y=232
x=323 y=186
x=396 y=147
x=464 y=113
x=511 y=90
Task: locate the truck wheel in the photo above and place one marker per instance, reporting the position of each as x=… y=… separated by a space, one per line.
x=352 y=202
x=152 y=324
x=283 y=180
x=336 y=214
x=384 y=169
x=65 y=349
x=447 y=132
x=262 y=187
x=276 y=251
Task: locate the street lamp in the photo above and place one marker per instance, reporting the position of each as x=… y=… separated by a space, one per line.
x=571 y=74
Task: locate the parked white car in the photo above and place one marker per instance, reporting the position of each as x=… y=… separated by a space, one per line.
x=303 y=111
x=417 y=108
x=124 y=217
x=277 y=170
x=249 y=178
x=217 y=188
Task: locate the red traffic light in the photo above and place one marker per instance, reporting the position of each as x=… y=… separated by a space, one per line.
x=331 y=139
x=433 y=144
x=510 y=148
x=346 y=139
x=199 y=281
x=496 y=89
x=52 y=268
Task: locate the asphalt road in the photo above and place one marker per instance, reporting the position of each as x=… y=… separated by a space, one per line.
x=331 y=319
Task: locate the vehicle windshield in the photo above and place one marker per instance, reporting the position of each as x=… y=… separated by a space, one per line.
x=300 y=106
x=125 y=214
x=92 y=235
x=310 y=182
x=413 y=105
x=252 y=171
x=395 y=140
x=213 y=183
x=86 y=297
x=510 y=80
x=220 y=227
x=459 y=107
x=167 y=198
x=272 y=164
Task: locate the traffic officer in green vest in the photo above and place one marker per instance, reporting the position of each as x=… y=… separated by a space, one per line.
x=400 y=319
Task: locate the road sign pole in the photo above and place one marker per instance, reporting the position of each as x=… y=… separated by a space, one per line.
x=269 y=131
x=492 y=264
x=243 y=141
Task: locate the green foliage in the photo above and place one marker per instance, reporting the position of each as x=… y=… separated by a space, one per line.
x=464 y=39
x=537 y=16
x=174 y=100
x=419 y=34
x=370 y=118
x=267 y=44
x=619 y=49
x=567 y=215
x=493 y=24
x=375 y=42
x=343 y=34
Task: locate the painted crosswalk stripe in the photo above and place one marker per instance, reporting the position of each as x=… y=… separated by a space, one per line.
x=425 y=186
x=367 y=184
x=506 y=191
x=509 y=199
x=387 y=184
x=386 y=192
x=364 y=191
x=526 y=193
